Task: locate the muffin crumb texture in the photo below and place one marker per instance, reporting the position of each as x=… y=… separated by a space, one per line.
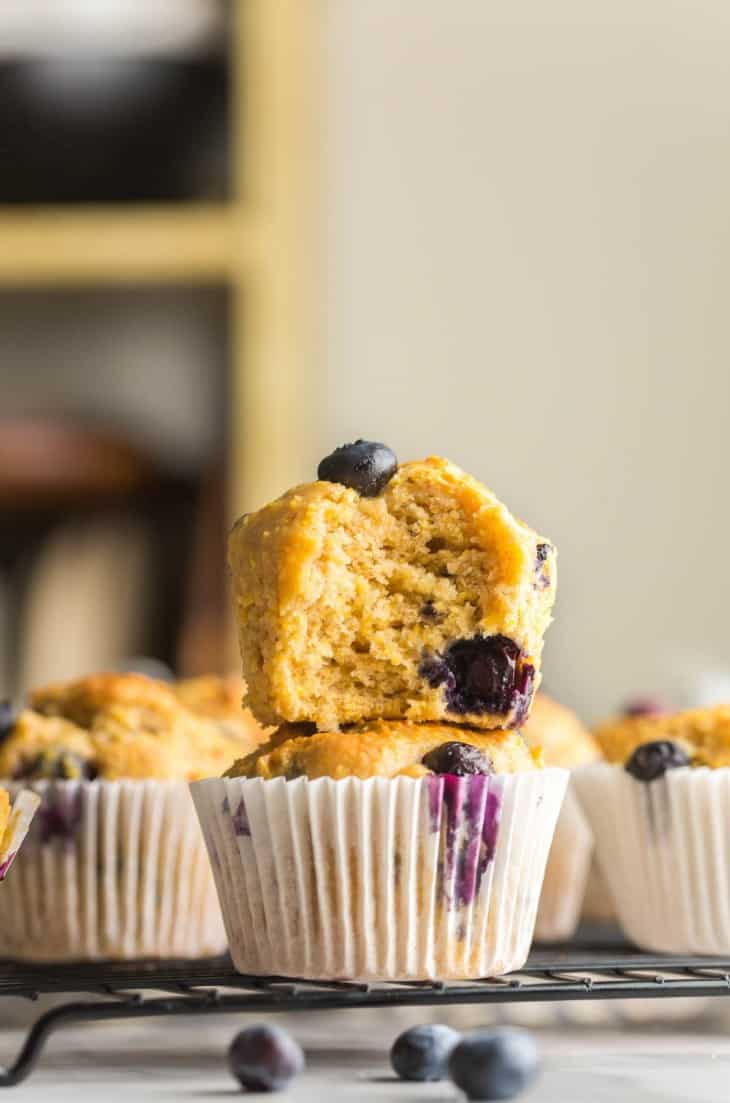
x=427 y=602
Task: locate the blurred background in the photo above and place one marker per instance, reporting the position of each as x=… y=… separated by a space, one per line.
x=233 y=235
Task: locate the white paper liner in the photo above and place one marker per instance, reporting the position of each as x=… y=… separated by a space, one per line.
x=380 y=879
x=23 y=810
x=664 y=849
x=566 y=874
x=111 y=870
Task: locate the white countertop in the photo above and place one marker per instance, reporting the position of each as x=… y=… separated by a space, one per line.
x=181 y=1058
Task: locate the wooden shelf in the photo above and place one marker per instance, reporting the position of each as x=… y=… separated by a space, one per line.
x=175 y=243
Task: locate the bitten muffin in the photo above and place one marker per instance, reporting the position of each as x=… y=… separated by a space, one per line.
x=565 y=741
x=385 y=851
x=115 y=865
x=659 y=808
x=416 y=597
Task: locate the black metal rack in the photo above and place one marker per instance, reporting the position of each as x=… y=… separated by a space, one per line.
x=124 y=990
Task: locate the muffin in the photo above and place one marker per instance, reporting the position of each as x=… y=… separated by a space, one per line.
x=393 y=592
x=659 y=809
x=559 y=734
x=14 y=823
x=387 y=850
x=219 y=700
x=114 y=865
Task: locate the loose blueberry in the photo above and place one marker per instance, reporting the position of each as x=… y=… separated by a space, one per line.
x=652 y=760
x=644 y=706
x=422 y=1053
x=8 y=717
x=483 y=674
x=460 y=759
x=365 y=466
x=494 y=1064
x=265 y=1058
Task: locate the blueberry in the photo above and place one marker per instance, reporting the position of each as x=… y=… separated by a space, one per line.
x=643 y=706
x=460 y=759
x=58 y=764
x=365 y=466
x=422 y=1053
x=482 y=674
x=265 y=1058
x=430 y=612
x=652 y=760
x=494 y=1064
x=8 y=717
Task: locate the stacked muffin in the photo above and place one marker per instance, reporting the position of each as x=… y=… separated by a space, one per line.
x=114 y=865
x=397 y=825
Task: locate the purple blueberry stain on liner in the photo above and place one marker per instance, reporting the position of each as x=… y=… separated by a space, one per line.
x=6 y=864
x=241 y=826
x=60 y=814
x=473 y=806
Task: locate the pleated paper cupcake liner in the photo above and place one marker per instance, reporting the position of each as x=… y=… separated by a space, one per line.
x=566 y=874
x=23 y=810
x=664 y=849
x=380 y=879
x=111 y=870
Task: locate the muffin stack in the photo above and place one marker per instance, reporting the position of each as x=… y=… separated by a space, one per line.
x=397 y=825
x=114 y=865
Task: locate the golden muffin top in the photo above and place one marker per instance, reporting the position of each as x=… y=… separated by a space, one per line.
x=387 y=748
x=704 y=734
x=559 y=733
x=426 y=601
x=118 y=726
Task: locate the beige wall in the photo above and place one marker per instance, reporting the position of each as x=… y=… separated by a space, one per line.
x=528 y=250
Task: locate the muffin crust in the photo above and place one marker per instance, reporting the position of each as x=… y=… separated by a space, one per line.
x=704 y=734
x=116 y=726
x=560 y=734
x=381 y=748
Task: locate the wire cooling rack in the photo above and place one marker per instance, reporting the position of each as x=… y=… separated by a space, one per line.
x=151 y=989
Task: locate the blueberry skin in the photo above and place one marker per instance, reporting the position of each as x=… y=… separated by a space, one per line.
x=422 y=1053
x=459 y=759
x=265 y=1058
x=652 y=760
x=8 y=717
x=482 y=674
x=364 y=466
x=495 y=1064
x=644 y=706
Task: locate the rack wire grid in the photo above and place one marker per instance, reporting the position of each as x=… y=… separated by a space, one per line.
x=127 y=990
